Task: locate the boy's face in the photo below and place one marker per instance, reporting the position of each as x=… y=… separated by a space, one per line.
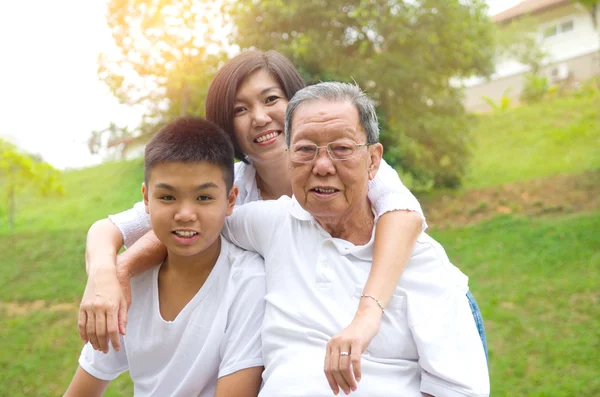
x=187 y=204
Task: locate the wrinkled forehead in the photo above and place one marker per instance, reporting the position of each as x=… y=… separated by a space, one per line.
x=325 y=121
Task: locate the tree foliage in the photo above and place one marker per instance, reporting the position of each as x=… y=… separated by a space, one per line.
x=20 y=171
x=404 y=53
x=166 y=53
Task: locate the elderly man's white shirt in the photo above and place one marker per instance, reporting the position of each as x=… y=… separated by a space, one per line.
x=428 y=341
x=386 y=192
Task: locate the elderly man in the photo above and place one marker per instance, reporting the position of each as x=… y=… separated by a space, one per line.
x=318 y=249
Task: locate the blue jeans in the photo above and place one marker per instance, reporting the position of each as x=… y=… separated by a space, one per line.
x=478 y=321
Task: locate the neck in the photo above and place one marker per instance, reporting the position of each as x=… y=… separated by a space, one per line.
x=193 y=266
x=273 y=179
x=356 y=226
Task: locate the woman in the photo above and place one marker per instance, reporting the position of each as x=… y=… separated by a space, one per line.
x=248 y=98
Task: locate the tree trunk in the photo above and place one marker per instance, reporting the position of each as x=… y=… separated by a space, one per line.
x=11 y=207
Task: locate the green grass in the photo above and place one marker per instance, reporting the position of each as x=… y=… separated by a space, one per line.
x=536 y=282
x=90 y=194
x=553 y=137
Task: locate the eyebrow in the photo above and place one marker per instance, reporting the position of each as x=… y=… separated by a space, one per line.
x=263 y=92
x=166 y=186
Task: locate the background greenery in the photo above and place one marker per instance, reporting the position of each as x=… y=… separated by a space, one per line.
x=535 y=277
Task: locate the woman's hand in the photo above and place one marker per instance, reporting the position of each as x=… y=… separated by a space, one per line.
x=103 y=308
x=344 y=350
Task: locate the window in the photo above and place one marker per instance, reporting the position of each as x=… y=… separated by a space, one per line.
x=558 y=29
x=566 y=26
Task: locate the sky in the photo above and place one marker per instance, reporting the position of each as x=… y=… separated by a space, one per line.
x=50 y=96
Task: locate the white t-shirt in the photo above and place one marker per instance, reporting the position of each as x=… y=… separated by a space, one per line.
x=428 y=341
x=386 y=193
x=216 y=334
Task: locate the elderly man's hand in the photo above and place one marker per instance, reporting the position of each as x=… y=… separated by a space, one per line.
x=344 y=350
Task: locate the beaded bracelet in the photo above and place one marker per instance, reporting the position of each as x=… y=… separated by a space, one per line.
x=375 y=299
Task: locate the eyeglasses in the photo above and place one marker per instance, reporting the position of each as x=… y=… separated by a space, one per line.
x=307 y=152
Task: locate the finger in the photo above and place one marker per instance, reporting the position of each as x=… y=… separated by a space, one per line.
x=101 y=331
x=328 y=374
x=112 y=327
x=81 y=324
x=91 y=330
x=336 y=370
x=346 y=371
x=355 y=356
x=123 y=316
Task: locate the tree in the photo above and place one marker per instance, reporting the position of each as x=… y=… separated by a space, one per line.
x=166 y=53
x=404 y=53
x=593 y=9
x=19 y=171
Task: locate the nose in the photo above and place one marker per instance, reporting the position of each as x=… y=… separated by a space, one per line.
x=185 y=214
x=260 y=116
x=323 y=164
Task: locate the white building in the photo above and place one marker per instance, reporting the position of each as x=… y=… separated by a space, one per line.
x=566 y=33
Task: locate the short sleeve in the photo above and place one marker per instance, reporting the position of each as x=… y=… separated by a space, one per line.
x=104 y=366
x=241 y=347
x=253 y=226
x=388 y=193
x=133 y=223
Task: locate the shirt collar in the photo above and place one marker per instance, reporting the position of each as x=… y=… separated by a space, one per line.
x=298 y=212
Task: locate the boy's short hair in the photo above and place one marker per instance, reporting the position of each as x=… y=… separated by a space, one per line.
x=190 y=140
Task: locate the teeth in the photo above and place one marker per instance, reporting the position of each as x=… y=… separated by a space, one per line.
x=182 y=233
x=321 y=190
x=267 y=137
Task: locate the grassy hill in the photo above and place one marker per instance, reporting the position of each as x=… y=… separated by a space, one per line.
x=535 y=277
x=559 y=136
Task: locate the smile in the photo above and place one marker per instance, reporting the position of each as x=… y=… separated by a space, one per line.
x=267 y=137
x=185 y=233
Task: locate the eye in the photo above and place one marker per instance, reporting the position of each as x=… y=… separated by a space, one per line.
x=238 y=110
x=166 y=198
x=271 y=99
x=341 y=148
x=304 y=148
x=204 y=198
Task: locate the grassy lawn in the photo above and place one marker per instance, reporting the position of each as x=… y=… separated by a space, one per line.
x=535 y=281
x=561 y=136
x=535 y=278
x=90 y=194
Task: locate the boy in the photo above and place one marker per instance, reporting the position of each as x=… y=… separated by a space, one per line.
x=194 y=322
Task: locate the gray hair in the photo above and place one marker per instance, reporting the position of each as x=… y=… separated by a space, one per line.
x=336 y=92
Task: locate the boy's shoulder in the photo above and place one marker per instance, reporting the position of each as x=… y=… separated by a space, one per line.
x=242 y=262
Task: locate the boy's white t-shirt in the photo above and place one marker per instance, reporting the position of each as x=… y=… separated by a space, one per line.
x=216 y=334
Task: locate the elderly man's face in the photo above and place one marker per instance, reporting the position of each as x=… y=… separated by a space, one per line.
x=325 y=187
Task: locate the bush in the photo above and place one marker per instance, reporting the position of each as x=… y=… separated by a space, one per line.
x=536 y=87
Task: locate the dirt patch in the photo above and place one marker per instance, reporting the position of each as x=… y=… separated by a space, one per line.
x=25 y=308
x=557 y=195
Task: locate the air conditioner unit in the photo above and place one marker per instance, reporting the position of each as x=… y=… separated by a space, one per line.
x=559 y=73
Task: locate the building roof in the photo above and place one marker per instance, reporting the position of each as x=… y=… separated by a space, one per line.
x=527 y=7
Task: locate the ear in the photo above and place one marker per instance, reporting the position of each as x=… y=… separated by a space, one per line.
x=231 y=199
x=375 y=156
x=145 y=194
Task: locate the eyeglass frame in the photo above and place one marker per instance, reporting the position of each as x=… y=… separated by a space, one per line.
x=357 y=145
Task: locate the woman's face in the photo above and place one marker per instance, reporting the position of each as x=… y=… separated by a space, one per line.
x=259 y=117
